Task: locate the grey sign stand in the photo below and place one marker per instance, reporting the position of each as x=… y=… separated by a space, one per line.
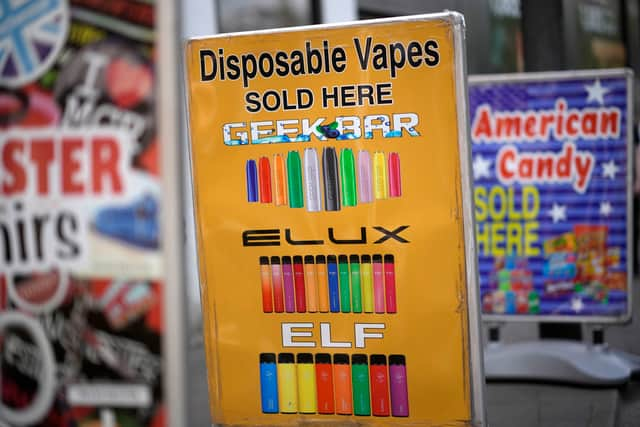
x=169 y=126
x=594 y=363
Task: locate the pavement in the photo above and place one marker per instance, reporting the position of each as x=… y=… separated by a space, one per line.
x=197 y=388
x=509 y=404
x=533 y=405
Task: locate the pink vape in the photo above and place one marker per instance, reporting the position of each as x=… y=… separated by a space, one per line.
x=378 y=284
x=365 y=189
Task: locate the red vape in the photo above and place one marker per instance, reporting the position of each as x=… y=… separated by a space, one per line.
x=378 y=284
x=264 y=179
x=379 y=385
x=298 y=277
x=324 y=383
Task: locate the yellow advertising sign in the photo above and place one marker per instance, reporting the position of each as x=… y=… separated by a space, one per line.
x=334 y=224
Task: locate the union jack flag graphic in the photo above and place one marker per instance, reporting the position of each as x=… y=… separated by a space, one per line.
x=32 y=32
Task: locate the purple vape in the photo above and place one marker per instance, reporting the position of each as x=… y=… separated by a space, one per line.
x=398 y=385
x=287 y=278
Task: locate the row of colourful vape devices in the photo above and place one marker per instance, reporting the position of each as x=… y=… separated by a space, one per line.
x=328 y=284
x=366 y=386
x=267 y=184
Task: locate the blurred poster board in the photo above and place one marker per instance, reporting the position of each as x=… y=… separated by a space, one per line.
x=552 y=167
x=506 y=49
x=333 y=209
x=247 y=15
x=81 y=283
x=599 y=38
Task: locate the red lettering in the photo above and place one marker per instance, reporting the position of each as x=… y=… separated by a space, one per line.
x=568 y=166
x=545 y=121
x=563 y=167
x=71 y=165
x=507 y=127
x=482 y=125
x=583 y=170
x=525 y=168
x=505 y=156
x=104 y=159
x=589 y=126
x=560 y=106
x=41 y=156
x=529 y=125
x=572 y=129
x=609 y=123
x=13 y=168
x=545 y=167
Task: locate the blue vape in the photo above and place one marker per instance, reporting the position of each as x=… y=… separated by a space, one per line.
x=268 y=383
x=252 y=181
x=334 y=288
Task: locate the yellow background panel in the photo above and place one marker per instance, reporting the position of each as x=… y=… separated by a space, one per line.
x=430 y=328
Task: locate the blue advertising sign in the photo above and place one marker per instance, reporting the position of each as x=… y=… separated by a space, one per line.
x=551 y=165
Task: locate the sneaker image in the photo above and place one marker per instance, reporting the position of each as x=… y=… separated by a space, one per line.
x=135 y=224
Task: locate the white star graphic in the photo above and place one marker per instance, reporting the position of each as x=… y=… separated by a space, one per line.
x=596 y=92
x=577 y=305
x=605 y=208
x=481 y=167
x=609 y=169
x=558 y=212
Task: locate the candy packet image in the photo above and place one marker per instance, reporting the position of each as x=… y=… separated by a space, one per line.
x=487 y=302
x=559 y=269
x=499 y=302
x=522 y=302
x=613 y=257
x=504 y=279
x=559 y=288
x=560 y=266
x=521 y=279
x=591 y=251
x=591 y=266
x=616 y=280
x=563 y=243
x=498 y=263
